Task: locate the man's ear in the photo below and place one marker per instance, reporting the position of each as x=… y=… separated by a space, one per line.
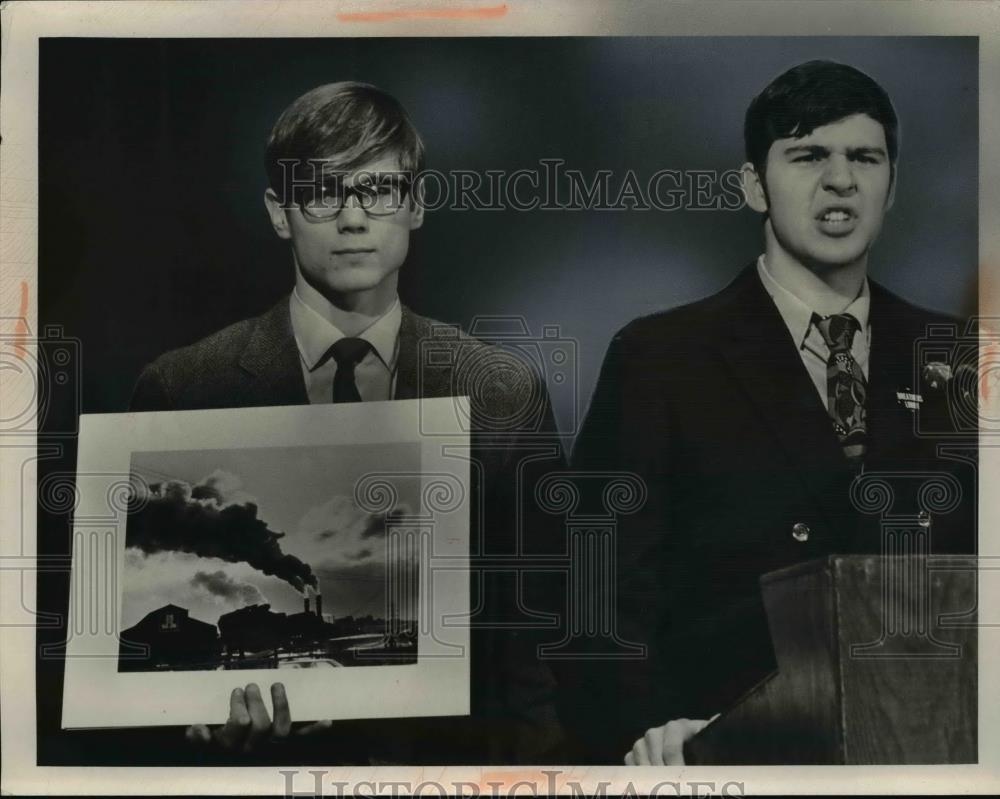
x=416 y=205
x=753 y=188
x=891 y=198
x=279 y=220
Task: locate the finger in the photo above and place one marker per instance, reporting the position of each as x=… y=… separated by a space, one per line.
x=629 y=759
x=260 y=721
x=654 y=745
x=282 y=715
x=639 y=753
x=315 y=728
x=675 y=735
x=198 y=734
x=234 y=732
x=672 y=748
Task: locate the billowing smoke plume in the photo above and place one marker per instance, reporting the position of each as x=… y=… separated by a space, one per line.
x=218 y=583
x=175 y=516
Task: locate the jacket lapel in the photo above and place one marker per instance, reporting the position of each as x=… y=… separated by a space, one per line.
x=271 y=362
x=765 y=361
x=891 y=427
x=419 y=371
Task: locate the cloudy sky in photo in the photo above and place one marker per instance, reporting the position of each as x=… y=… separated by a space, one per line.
x=207 y=534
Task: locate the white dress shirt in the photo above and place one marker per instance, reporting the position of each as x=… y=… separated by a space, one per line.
x=375 y=375
x=797 y=316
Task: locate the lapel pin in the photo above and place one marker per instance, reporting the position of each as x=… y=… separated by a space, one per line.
x=908 y=399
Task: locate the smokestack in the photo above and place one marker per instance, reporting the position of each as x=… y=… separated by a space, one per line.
x=319 y=605
x=305 y=602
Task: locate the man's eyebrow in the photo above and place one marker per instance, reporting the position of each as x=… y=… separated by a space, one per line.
x=371 y=178
x=816 y=149
x=864 y=150
x=819 y=149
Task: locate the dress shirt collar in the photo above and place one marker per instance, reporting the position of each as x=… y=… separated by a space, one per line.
x=314 y=335
x=797 y=314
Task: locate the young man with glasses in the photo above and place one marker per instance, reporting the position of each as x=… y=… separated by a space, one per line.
x=341 y=161
x=329 y=158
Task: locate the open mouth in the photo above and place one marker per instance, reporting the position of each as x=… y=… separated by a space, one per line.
x=837 y=220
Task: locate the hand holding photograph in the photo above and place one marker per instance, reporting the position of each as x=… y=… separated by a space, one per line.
x=303 y=544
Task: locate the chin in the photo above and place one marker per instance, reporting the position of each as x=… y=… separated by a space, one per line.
x=347 y=280
x=342 y=287
x=836 y=257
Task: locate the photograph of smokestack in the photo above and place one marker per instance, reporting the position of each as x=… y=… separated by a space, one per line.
x=229 y=554
x=319 y=604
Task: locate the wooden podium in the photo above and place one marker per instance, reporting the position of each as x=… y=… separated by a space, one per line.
x=876 y=665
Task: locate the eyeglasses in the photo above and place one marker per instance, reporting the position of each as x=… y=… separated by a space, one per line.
x=377 y=195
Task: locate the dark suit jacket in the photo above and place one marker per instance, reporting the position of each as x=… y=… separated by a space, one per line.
x=256 y=363
x=711 y=405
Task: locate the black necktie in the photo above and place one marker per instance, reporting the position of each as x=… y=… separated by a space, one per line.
x=348 y=353
x=846 y=386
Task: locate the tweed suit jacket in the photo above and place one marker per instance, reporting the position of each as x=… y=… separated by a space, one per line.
x=255 y=363
x=711 y=405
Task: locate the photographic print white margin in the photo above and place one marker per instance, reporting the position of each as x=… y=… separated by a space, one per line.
x=98 y=695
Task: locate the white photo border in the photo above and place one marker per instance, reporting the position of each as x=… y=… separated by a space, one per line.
x=97 y=694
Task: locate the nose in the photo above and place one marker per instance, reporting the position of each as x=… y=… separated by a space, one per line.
x=352 y=217
x=838 y=176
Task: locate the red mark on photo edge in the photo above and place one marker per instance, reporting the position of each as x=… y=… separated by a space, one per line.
x=21 y=328
x=988 y=372
x=490 y=12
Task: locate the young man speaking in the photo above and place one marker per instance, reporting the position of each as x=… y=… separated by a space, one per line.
x=342 y=163
x=749 y=414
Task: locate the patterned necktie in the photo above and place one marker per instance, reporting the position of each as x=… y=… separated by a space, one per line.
x=846 y=387
x=348 y=353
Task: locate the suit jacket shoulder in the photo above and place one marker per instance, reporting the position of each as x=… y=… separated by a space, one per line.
x=168 y=379
x=686 y=325
x=712 y=312
x=905 y=320
x=504 y=384
x=678 y=340
x=657 y=363
x=675 y=341
x=252 y=362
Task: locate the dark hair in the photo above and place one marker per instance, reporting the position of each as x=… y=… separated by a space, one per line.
x=346 y=124
x=809 y=96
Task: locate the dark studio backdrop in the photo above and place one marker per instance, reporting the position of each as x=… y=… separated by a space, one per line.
x=153 y=234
